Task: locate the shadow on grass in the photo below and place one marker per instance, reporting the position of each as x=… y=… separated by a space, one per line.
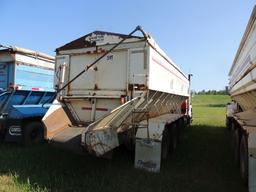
x=202 y=162
x=210 y=105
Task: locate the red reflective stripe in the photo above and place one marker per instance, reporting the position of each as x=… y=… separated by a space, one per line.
x=101 y=109
x=97 y=109
x=86 y=108
x=35 y=89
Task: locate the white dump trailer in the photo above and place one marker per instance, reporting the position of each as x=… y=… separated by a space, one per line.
x=118 y=89
x=241 y=112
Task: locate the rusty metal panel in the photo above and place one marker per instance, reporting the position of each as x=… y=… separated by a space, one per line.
x=108 y=74
x=89 y=110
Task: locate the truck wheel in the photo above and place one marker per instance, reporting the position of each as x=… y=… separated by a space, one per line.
x=174 y=137
x=244 y=159
x=236 y=146
x=33 y=133
x=165 y=144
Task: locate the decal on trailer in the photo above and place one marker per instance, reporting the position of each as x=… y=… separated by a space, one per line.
x=15 y=130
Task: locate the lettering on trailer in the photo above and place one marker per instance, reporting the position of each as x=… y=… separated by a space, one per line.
x=110 y=57
x=149 y=165
x=95 y=38
x=101 y=39
x=15 y=130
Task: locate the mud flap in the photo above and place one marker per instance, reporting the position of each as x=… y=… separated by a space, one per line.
x=148 y=155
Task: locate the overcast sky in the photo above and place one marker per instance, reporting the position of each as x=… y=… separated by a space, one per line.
x=201 y=36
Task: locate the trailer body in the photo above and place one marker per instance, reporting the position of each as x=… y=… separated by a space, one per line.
x=25 y=69
x=241 y=113
x=108 y=104
x=26 y=83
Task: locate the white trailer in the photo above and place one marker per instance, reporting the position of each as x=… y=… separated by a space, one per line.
x=132 y=92
x=241 y=112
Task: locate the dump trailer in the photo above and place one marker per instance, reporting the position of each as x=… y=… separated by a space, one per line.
x=26 y=84
x=241 y=112
x=118 y=89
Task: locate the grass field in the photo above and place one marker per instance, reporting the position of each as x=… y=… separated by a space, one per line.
x=202 y=163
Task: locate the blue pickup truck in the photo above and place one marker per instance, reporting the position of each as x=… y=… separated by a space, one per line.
x=26 y=92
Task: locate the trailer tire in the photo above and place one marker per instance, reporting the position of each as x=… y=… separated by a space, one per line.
x=236 y=146
x=244 y=159
x=228 y=123
x=174 y=137
x=33 y=133
x=180 y=131
x=232 y=133
x=165 y=144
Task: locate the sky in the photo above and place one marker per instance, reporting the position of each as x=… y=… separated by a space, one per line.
x=200 y=36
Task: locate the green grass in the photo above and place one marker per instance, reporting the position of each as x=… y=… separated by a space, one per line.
x=202 y=163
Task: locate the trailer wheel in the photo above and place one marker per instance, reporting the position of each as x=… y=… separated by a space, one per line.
x=180 y=131
x=228 y=122
x=232 y=133
x=244 y=159
x=236 y=146
x=33 y=133
x=165 y=144
x=174 y=137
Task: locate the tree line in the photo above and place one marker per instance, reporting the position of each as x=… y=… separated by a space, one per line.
x=211 y=92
